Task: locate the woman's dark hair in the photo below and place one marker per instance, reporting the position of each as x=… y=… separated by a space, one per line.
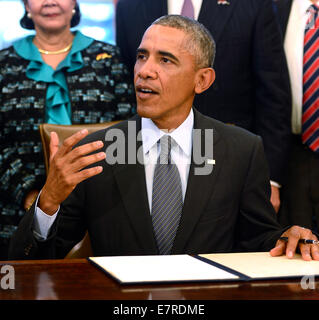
x=27 y=23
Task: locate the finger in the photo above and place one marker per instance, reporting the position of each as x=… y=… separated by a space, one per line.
x=71 y=141
x=83 y=162
x=83 y=150
x=54 y=144
x=294 y=234
x=310 y=251
x=305 y=251
x=86 y=174
x=315 y=251
x=292 y=244
x=279 y=249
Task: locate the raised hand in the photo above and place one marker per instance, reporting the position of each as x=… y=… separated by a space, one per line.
x=67 y=169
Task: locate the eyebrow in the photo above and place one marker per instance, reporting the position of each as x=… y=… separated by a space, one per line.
x=162 y=53
x=141 y=50
x=168 y=55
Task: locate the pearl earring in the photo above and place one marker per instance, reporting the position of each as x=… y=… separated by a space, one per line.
x=73 y=12
x=29 y=15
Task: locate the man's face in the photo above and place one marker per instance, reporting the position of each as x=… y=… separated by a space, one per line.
x=164 y=77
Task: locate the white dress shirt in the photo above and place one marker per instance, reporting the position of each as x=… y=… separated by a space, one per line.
x=293 y=46
x=180 y=154
x=175 y=7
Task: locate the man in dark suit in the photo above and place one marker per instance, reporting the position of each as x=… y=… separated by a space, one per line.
x=219 y=199
x=300 y=27
x=251 y=89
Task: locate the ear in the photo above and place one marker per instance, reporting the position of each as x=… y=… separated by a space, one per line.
x=26 y=6
x=204 y=79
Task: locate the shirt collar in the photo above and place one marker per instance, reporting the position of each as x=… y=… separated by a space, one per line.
x=182 y=135
x=303 y=6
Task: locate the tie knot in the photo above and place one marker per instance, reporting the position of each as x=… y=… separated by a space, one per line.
x=312 y=16
x=313 y=8
x=166 y=145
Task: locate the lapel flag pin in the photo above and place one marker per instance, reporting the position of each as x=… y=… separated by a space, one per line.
x=223 y=2
x=211 y=161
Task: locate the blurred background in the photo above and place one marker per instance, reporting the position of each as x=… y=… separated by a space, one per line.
x=97 y=20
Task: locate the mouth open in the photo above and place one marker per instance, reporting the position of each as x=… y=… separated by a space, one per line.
x=143 y=92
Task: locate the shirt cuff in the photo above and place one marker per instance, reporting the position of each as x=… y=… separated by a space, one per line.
x=275 y=184
x=42 y=222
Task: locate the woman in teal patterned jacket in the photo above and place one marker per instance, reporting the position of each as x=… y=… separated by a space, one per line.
x=56 y=76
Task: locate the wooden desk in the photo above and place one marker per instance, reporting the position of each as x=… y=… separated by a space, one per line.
x=79 y=279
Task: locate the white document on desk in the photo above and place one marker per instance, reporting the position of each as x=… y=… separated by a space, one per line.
x=168 y=268
x=261 y=265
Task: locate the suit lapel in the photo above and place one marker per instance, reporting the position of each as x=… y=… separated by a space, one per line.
x=199 y=187
x=214 y=16
x=199 y=190
x=130 y=179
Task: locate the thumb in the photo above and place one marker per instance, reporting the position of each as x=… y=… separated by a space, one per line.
x=279 y=249
x=54 y=144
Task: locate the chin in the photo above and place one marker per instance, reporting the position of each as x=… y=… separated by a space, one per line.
x=145 y=111
x=55 y=26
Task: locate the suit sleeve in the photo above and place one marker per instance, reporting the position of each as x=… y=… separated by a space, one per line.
x=273 y=96
x=257 y=227
x=67 y=230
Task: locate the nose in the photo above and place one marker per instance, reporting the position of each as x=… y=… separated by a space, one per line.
x=146 y=69
x=49 y=3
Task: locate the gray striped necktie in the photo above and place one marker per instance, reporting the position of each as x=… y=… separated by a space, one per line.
x=167 y=200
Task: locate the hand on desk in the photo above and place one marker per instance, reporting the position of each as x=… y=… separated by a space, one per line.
x=294 y=234
x=65 y=170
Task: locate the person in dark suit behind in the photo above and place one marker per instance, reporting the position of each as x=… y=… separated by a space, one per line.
x=251 y=89
x=301 y=190
x=140 y=196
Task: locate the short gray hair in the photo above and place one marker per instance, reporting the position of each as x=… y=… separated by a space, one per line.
x=201 y=44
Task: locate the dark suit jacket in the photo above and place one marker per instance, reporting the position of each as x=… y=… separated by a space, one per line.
x=282 y=9
x=251 y=89
x=224 y=211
